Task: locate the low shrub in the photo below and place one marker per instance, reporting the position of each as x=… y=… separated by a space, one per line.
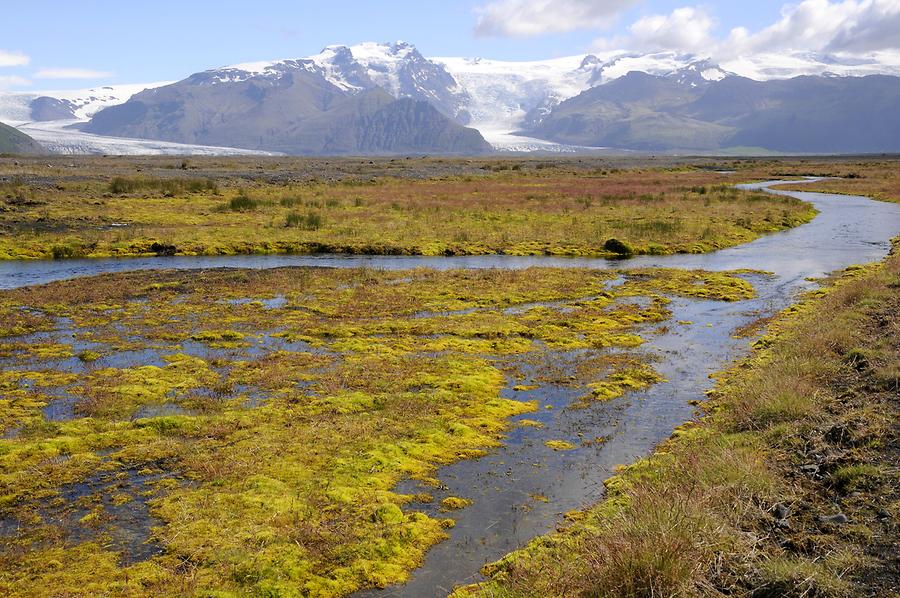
x=308 y=221
x=168 y=187
x=242 y=203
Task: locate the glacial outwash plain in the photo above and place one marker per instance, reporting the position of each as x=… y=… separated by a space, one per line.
x=498 y=377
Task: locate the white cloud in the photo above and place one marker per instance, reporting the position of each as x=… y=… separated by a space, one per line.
x=877 y=27
x=67 y=73
x=13 y=81
x=524 y=18
x=826 y=26
x=8 y=58
x=688 y=29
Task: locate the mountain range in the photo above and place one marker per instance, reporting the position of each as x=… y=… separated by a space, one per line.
x=800 y=115
x=329 y=104
x=389 y=99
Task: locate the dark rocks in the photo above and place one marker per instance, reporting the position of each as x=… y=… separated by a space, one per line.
x=46 y=109
x=618 y=247
x=838 y=519
x=781 y=511
x=848 y=434
x=163 y=249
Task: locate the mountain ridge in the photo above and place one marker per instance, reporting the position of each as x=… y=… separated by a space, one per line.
x=291 y=107
x=800 y=115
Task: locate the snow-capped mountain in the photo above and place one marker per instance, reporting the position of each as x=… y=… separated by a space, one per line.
x=767 y=67
x=369 y=99
x=511 y=96
x=495 y=97
x=499 y=98
x=398 y=68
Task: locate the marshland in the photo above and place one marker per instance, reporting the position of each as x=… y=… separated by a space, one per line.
x=288 y=377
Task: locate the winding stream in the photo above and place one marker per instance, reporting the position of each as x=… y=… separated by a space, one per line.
x=522 y=489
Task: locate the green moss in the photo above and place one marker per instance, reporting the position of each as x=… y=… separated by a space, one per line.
x=454 y=503
x=389 y=514
x=559 y=445
x=852 y=477
x=618 y=383
x=89 y=356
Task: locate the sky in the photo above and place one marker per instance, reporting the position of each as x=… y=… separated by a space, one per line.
x=68 y=45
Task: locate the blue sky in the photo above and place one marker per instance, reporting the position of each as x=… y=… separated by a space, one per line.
x=93 y=42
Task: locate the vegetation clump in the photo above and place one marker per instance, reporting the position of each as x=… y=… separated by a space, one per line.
x=559 y=445
x=242 y=203
x=168 y=187
x=454 y=503
x=308 y=221
x=618 y=247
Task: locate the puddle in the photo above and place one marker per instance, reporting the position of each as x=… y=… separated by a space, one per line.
x=119 y=500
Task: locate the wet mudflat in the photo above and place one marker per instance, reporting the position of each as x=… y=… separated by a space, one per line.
x=246 y=429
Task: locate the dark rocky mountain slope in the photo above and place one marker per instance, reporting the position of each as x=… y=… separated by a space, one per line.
x=292 y=107
x=803 y=114
x=13 y=141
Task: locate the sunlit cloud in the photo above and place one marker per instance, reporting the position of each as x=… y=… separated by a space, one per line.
x=688 y=29
x=8 y=58
x=71 y=73
x=526 y=18
x=13 y=81
x=848 y=26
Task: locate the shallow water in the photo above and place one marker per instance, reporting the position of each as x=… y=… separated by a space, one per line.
x=522 y=489
x=504 y=485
